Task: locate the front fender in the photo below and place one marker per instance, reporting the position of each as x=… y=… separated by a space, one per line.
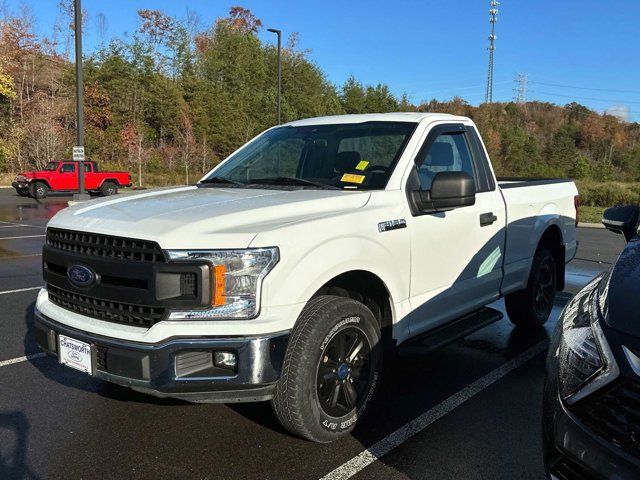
x=299 y=275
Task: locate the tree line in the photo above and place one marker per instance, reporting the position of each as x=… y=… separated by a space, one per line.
x=175 y=96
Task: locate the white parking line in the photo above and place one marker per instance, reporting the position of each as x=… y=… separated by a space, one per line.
x=4 y=363
x=20 y=290
x=11 y=257
x=16 y=225
x=24 y=236
x=408 y=430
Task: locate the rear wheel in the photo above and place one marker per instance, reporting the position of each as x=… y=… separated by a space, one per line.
x=38 y=190
x=331 y=369
x=532 y=306
x=108 y=188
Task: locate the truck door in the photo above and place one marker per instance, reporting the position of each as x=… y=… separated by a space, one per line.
x=90 y=177
x=67 y=178
x=456 y=256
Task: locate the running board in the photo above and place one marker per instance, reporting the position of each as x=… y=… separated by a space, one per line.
x=452 y=331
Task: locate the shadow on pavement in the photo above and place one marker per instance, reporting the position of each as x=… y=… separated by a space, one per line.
x=13 y=462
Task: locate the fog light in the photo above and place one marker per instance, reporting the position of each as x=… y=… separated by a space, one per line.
x=225 y=359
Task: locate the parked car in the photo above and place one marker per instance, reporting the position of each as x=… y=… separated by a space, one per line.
x=285 y=272
x=592 y=391
x=63 y=177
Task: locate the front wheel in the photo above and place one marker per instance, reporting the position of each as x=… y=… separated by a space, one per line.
x=331 y=369
x=532 y=306
x=38 y=190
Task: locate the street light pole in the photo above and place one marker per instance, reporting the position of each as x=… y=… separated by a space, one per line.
x=279 y=34
x=77 y=13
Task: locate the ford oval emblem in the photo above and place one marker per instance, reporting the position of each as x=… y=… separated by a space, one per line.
x=80 y=275
x=75 y=356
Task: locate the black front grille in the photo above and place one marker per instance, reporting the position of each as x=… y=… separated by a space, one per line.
x=615 y=416
x=98 y=245
x=139 y=315
x=566 y=469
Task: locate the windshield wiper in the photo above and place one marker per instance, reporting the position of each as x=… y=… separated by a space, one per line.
x=221 y=180
x=292 y=181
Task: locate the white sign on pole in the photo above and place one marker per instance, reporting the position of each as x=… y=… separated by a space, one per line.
x=78 y=154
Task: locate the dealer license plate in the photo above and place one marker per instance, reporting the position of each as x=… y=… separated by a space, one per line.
x=74 y=353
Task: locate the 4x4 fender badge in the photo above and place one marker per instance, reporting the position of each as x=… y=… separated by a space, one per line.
x=392 y=225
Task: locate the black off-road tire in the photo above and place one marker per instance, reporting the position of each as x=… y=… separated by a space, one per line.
x=108 y=188
x=23 y=192
x=532 y=306
x=315 y=341
x=38 y=190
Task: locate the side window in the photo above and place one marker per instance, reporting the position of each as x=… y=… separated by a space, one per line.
x=448 y=153
x=68 y=168
x=88 y=167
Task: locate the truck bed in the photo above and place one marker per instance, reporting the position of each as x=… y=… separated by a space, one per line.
x=516 y=182
x=532 y=204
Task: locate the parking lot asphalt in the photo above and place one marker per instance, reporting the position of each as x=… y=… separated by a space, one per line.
x=470 y=410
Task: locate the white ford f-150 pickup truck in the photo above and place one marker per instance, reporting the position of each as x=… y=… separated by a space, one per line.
x=292 y=266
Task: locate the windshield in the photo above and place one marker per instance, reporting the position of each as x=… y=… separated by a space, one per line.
x=352 y=156
x=51 y=166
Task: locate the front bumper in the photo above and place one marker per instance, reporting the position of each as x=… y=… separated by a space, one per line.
x=179 y=367
x=20 y=185
x=573 y=451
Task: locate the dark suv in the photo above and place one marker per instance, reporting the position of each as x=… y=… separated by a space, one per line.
x=591 y=407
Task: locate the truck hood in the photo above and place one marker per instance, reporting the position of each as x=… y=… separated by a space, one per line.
x=215 y=217
x=39 y=174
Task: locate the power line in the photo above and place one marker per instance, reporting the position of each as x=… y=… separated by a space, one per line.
x=493 y=17
x=585 y=88
x=588 y=98
x=468 y=87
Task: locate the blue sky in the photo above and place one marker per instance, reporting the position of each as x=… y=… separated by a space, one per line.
x=435 y=49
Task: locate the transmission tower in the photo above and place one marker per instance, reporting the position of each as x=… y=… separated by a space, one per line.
x=521 y=90
x=493 y=17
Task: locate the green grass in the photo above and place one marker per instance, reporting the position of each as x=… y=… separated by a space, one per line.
x=591 y=214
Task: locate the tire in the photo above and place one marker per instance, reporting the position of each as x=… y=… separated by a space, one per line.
x=314 y=369
x=38 y=190
x=108 y=188
x=531 y=307
x=23 y=192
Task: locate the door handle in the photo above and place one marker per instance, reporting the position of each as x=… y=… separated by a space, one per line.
x=487 y=219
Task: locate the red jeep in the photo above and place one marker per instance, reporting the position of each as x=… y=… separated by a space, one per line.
x=63 y=177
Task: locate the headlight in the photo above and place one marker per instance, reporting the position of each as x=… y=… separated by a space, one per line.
x=237 y=280
x=585 y=359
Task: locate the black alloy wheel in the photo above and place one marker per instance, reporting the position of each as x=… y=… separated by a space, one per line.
x=544 y=291
x=344 y=372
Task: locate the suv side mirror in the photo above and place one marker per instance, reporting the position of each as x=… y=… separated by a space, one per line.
x=622 y=219
x=449 y=190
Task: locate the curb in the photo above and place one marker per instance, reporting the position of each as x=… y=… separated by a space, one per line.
x=590 y=225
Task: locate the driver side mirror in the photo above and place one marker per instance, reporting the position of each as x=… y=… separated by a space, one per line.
x=622 y=219
x=449 y=190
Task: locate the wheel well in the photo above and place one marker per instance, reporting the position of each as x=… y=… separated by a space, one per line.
x=41 y=180
x=369 y=289
x=552 y=240
x=112 y=180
